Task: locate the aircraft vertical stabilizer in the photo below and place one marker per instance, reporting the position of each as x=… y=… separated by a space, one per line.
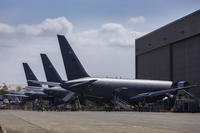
x=30 y=75
x=73 y=67
x=50 y=71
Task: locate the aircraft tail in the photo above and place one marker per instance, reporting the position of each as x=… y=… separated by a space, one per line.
x=30 y=75
x=50 y=71
x=73 y=67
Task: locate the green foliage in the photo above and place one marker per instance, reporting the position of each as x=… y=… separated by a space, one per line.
x=18 y=88
x=4 y=89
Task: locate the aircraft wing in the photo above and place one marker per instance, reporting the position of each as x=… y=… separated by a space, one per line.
x=56 y=88
x=45 y=83
x=162 y=92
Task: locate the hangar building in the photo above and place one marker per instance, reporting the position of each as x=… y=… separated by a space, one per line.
x=171 y=52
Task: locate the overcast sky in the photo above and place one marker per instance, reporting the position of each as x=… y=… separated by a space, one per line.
x=101 y=32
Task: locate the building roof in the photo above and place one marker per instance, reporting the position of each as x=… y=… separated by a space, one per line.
x=178 y=30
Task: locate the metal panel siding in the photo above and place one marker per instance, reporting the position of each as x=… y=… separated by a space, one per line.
x=186 y=60
x=178 y=30
x=172 y=52
x=154 y=64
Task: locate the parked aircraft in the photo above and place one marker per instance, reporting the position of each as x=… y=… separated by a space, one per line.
x=34 y=89
x=2 y=104
x=105 y=89
x=53 y=76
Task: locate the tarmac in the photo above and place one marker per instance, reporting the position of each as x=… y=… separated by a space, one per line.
x=98 y=122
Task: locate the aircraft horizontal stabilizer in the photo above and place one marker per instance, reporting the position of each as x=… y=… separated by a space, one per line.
x=33 y=88
x=16 y=95
x=36 y=93
x=82 y=85
x=45 y=83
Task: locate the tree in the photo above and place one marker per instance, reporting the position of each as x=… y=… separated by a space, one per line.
x=4 y=89
x=18 y=88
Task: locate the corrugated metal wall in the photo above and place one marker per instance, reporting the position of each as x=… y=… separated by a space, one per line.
x=154 y=64
x=177 y=61
x=186 y=60
x=171 y=52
